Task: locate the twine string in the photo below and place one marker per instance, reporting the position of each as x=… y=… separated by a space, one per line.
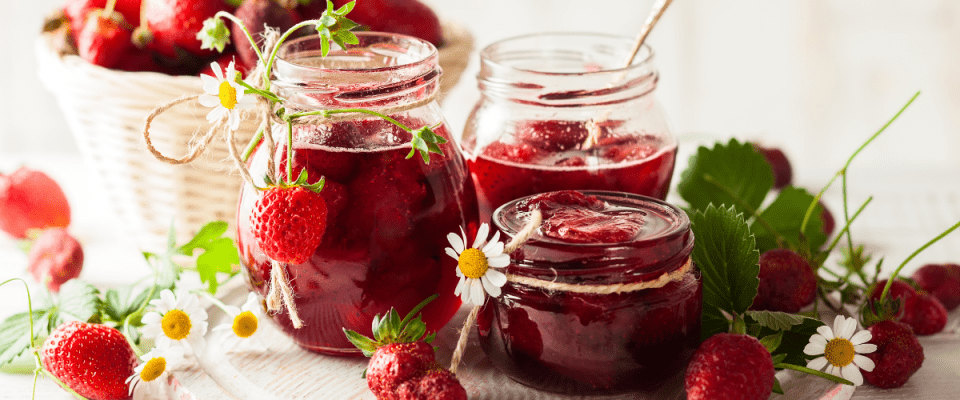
x=281 y=292
x=462 y=341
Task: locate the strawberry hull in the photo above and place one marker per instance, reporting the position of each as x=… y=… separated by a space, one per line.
x=383 y=246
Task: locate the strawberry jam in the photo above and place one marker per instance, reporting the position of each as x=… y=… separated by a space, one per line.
x=387 y=216
x=559 y=112
x=601 y=299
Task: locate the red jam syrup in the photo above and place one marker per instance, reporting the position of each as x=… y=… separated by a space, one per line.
x=589 y=343
x=545 y=156
x=388 y=218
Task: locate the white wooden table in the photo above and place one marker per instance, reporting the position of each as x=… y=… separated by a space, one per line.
x=911 y=206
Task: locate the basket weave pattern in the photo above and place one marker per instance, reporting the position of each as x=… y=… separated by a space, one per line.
x=105 y=110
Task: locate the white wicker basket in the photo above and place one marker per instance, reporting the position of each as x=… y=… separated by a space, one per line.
x=105 y=110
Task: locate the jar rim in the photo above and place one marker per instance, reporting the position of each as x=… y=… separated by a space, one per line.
x=595 y=260
x=643 y=59
x=430 y=55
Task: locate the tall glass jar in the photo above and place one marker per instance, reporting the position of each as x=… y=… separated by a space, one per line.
x=558 y=111
x=388 y=216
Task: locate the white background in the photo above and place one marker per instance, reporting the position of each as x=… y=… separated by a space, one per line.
x=813 y=76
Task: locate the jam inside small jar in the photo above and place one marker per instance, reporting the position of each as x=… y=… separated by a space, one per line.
x=602 y=299
x=559 y=111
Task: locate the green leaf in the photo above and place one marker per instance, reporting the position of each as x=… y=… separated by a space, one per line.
x=776 y=386
x=785 y=215
x=776 y=320
x=80 y=299
x=363 y=343
x=214 y=34
x=713 y=322
x=209 y=232
x=771 y=342
x=15 y=333
x=728 y=260
x=777 y=359
x=732 y=174
x=220 y=256
x=346 y=8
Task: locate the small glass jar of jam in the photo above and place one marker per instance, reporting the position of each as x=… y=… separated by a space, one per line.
x=601 y=299
x=559 y=111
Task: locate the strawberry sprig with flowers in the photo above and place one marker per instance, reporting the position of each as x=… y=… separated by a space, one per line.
x=93 y=339
x=729 y=238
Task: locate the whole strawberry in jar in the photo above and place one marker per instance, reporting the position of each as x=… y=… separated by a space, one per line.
x=560 y=111
x=386 y=215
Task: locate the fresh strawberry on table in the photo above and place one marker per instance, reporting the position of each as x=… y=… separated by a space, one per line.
x=899 y=355
x=94 y=360
x=54 y=258
x=787 y=282
x=402 y=362
x=942 y=281
x=29 y=199
x=730 y=366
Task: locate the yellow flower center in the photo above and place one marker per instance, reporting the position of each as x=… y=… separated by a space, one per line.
x=839 y=352
x=245 y=324
x=228 y=95
x=153 y=369
x=176 y=325
x=473 y=263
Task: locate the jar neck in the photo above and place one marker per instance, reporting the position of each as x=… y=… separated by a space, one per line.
x=382 y=71
x=566 y=70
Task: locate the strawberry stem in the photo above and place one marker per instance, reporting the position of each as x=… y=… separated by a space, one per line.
x=846 y=227
x=29 y=306
x=886 y=288
x=253 y=43
x=843 y=171
x=289 y=151
x=60 y=383
x=417 y=309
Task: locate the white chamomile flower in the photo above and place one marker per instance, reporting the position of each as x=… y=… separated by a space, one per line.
x=841 y=351
x=225 y=95
x=177 y=320
x=243 y=329
x=150 y=376
x=474 y=265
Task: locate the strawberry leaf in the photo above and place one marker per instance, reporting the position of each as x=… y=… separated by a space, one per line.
x=794 y=339
x=771 y=342
x=776 y=320
x=732 y=174
x=15 y=333
x=80 y=299
x=785 y=215
x=219 y=253
x=727 y=256
x=333 y=25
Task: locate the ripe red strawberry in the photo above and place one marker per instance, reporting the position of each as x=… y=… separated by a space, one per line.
x=29 y=199
x=787 y=282
x=399 y=351
x=782 y=173
x=827 y=219
x=104 y=39
x=174 y=24
x=406 y=17
x=436 y=384
x=288 y=223
x=77 y=10
x=942 y=281
x=899 y=354
x=55 y=257
x=730 y=366
x=255 y=14
x=93 y=360
x=925 y=315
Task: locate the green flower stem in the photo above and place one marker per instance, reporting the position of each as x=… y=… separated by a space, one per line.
x=328 y=113
x=246 y=32
x=273 y=54
x=843 y=171
x=29 y=306
x=126 y=321
x=780 y=240
x=886 y=289
x=814 y=372
x=417 y=309
x=846 y=227
x=289 y=151
x=265 y=94
x=60 y=383
x=254 y=141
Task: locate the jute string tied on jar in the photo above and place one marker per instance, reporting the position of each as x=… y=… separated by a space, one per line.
x=552 y=285
x=280 y=291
